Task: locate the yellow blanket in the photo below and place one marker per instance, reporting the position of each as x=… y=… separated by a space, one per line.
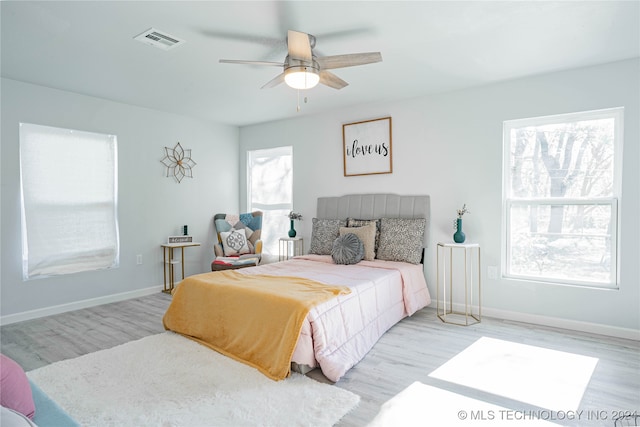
x=255 y=319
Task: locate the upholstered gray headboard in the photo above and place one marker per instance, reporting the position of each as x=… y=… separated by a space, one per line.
x=374 y=206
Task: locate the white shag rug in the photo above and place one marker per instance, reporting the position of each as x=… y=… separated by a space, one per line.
x=168 y=380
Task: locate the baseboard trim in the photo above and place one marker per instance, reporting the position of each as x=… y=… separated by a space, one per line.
x=536 y=319
x=557 y=322
x=77 y=305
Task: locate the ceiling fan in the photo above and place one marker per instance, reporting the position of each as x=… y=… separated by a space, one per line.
x=304 y=70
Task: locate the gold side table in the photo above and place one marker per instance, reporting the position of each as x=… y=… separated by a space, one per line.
x=170 y=261
x=466 y=258
x=290 y=247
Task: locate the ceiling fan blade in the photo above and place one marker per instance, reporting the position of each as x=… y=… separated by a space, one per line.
x=274 y=82
x=348 y=60
x=299 y=46
x=241 y=61
x=342 y=34
x=329 y=79
x=249 y=38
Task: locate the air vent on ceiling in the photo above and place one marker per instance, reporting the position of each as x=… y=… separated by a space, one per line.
x=159 y=39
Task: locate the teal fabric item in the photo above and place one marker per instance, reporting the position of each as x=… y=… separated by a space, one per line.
x=253 y=222
x=48 y=412
x=222 y=225
x=247 y=219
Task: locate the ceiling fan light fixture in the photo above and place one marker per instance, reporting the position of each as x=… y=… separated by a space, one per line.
x=301 y=77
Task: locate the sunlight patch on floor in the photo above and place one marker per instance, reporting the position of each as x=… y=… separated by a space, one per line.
x=422 y=405
x=550 y=379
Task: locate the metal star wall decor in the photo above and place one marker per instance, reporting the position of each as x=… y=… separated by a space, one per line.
x=178 y=162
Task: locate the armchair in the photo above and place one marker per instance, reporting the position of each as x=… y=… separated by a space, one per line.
x=239 y=243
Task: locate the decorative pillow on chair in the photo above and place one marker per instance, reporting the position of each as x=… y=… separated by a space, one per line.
x=250 y=222
x=16 y=390
x=347 y=249
x=401 y=239
x=323 y=233
x=367 y=236
x=235 y=242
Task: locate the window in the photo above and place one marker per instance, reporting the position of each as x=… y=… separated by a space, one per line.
x=270 y=190
x=561 y=193
x=69 y=192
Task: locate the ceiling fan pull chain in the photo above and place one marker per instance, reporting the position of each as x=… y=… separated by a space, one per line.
x=298 y=107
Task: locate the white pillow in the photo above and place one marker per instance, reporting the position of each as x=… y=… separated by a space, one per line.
x=234 y=242
x=11 y=418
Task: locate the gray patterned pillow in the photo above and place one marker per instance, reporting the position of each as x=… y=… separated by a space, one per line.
x=401 y=239
x=352 y=222
x=347 y=249
x=323 y=233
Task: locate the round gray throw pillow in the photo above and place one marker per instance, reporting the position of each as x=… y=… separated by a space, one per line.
x=347 y=249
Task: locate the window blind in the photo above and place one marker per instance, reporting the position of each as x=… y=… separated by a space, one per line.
x=68 y=201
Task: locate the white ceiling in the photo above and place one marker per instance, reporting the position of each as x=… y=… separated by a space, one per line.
x=427 y=47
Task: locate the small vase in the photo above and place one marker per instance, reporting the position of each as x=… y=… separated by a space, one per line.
x=292 y=231
x=458 y=236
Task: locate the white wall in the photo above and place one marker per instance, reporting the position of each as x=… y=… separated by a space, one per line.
x=151 y=206
x=450 y=147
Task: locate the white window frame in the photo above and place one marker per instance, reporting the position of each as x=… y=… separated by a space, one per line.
x=273 y=226
x=613 y=201
x=69 y=194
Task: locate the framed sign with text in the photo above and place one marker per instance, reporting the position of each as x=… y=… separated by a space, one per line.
x=367 y=147
x=180 y=239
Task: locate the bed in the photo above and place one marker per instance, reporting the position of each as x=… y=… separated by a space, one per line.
x=351 y=307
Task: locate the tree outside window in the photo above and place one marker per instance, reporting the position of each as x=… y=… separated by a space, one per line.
x=561 y=197
x=270 y=190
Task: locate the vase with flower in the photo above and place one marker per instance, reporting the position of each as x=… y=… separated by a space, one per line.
x=459 y=235
x=292 y=217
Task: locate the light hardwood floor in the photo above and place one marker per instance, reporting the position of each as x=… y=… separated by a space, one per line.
x=408 y=352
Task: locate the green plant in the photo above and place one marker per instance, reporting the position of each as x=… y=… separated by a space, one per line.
x=295 y=215
x=461 y=212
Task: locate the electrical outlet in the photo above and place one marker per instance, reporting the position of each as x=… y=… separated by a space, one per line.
x=492 y=272
x=139 y=259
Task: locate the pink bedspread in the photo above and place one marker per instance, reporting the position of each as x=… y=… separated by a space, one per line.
x=340 y=332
